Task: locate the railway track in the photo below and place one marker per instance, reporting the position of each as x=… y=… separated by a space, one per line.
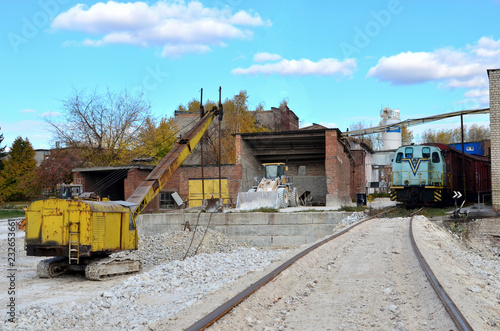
x=457 y=317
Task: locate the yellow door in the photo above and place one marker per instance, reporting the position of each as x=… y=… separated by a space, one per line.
x=211 y=190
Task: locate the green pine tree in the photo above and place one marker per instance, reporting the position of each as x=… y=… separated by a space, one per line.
x=18 y=176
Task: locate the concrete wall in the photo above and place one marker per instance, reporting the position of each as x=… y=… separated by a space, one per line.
x=276 y=230
x=487 y=231
x=494 y=76
x=247 y=164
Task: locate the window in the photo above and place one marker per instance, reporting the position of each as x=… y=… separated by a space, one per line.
x=408 y=152
x=426 y=152
x=166 y=200
x=399 y=157
x=435 y=157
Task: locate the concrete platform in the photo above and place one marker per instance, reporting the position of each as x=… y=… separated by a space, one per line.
x=269 y=230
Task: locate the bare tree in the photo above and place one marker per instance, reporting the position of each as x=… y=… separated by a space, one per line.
x=374 y=140
x=104 y=126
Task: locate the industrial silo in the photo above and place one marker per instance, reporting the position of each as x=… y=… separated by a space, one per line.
x=391 y=138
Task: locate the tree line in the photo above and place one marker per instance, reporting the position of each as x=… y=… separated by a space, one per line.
x=108 y=129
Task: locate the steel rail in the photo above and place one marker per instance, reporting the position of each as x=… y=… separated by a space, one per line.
x=233 y=302
x=455 y=314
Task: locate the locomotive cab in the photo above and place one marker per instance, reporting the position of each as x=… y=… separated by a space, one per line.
x=418 y=175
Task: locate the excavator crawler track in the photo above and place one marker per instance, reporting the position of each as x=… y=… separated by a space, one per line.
x=107 y=267
x=52 y=267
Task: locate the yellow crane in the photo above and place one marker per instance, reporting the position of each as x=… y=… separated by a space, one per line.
x=81 y=234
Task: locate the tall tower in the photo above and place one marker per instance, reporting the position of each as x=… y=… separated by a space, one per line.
x=391 y=138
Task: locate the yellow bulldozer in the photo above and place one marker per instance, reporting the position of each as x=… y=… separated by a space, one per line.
x=274 y=190
x=82 y=234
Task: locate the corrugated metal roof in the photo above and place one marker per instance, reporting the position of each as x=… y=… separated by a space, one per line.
x=279 y=133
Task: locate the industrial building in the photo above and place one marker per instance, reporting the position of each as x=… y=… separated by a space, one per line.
x=318 y=160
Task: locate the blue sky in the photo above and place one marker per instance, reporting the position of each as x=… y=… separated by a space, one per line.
x=337 y=62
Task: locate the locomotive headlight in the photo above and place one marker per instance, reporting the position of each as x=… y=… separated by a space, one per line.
x=407 y=182
x=422 y=183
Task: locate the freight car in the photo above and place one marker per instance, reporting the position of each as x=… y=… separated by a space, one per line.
x=430 y=174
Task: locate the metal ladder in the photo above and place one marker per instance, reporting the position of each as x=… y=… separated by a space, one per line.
x=74 y=243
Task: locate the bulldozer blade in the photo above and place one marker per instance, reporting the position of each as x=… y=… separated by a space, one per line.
x=256 y=200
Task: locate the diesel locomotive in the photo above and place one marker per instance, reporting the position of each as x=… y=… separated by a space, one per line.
x=430 y=174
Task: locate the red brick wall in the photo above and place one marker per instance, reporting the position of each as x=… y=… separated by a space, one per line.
x=358 y=176
x=134 y=178
x=311 y=169
x=337 y=168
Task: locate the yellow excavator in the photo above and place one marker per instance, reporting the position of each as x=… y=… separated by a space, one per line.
x=82 y=234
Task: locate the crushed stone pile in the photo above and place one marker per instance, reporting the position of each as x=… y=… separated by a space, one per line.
x=355 y=217
x=167 y=287
x=166 y=247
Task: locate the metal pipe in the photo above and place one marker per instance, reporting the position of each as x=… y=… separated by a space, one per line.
x=201 y=146
x=220 y=150
x=463 y=154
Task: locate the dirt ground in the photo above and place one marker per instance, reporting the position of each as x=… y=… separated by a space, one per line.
x=367 y=279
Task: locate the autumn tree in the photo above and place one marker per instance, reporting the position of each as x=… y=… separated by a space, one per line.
x=156 y=139
x=2 y=151
x=103 y=126
x=373 y=140
x=17 y=179
x=56 y=168
x=478 y=133
x=193 y=106
x=454 y=136
x=406 y=135
x=237 y=119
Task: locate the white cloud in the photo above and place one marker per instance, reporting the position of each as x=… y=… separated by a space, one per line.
x=28 y=111
x=450 y=67
x=324 y=67
x=178 y=50
x=486 y=47
x=176 y=26
x=265 y=57
x=50 y=114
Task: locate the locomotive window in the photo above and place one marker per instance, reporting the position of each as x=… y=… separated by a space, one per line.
x=426 y=152
x=399 y=157
x=435 y=157
x=409 y=152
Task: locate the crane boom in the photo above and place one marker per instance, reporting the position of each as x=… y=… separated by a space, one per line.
x=158 y=178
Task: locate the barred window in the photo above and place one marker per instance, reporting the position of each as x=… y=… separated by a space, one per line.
x=166 y=200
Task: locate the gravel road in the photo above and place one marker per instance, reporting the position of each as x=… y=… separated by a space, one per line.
x=367 y=279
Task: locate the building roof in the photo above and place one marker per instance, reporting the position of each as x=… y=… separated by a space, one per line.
x=299 y=146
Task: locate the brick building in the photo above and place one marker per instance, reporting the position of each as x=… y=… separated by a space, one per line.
x=494 y=78
x=318 y=161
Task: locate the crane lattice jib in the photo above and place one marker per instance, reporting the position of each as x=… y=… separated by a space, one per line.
x=157 y=179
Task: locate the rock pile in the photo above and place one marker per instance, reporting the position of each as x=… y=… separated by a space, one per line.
x=355 y=217
x=166 y=247
x=169 y=286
